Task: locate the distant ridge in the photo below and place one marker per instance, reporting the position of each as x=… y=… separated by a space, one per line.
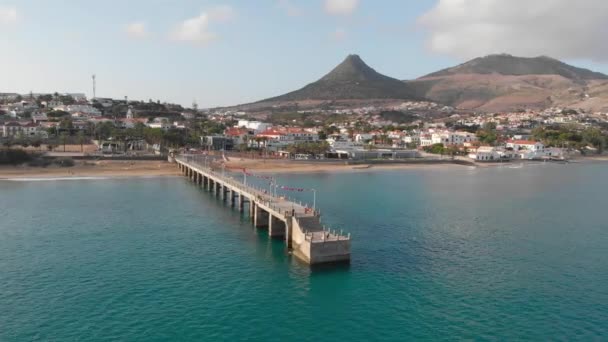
x=352 y=79
x=505 y=64
x=504 y=82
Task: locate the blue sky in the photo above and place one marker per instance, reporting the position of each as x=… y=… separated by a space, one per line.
x=229 y=52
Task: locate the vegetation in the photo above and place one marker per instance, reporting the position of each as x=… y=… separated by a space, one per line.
x=440 y=149
x=313 y=148
x=14 y=157
x=571 y=136
x=58 y=114
x=397 y=116
x=487 y=134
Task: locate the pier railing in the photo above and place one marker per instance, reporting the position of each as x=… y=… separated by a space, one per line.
x=268 y=199
x=313 y=232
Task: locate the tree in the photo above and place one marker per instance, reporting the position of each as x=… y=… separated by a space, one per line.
x=81 y=139
x=67 y=99
x=104 y=130
x=66 y=124
x=594 y=137
x=435 y=149
x=64 y=138
x=489 y=126
x=46 y=98
x=57 y=114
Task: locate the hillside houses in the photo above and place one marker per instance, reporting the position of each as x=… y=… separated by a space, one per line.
x=447 y=138
x=15 y=129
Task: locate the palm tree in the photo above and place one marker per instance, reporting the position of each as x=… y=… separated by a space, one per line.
x=81 y=140
x=64 y=138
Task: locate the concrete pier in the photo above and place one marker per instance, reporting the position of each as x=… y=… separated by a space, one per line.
x=297 y=224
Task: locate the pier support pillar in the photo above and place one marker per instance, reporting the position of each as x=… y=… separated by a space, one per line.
x=276 y=227
x=260 y=218
x=288 y=231
x=252 y=210
x=241 y=202
x=232 y=194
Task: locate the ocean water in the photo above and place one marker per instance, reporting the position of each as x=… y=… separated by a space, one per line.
x=485 y=254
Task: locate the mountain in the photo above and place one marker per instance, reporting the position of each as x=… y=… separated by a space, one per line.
x=518 y=66
x=505 y=82
x=351 y=80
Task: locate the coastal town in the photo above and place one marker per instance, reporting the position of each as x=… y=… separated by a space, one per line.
x=103 y=127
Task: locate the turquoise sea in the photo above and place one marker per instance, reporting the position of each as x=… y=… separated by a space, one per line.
x=509 y=253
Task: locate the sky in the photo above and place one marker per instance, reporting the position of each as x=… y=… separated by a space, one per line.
x=220 y=53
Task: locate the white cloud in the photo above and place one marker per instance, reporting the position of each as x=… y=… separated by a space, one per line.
x=8 y=15
x=196 y=30
x=137 y=30
x=289 y=8
x=339 y=34
x=558 y=28
x=341 y=7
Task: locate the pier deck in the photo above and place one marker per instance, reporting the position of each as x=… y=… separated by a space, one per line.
x=297 y=223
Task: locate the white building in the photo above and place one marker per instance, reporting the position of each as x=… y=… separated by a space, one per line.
x=10 y=129
x=79 y=110
x=337 y=143
x=277 y=139
x=485 y=153
x=363 y=137
x=529 y=145
x=256 y=126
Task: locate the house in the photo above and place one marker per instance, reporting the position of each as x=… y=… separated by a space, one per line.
x=363 y=137
x=39 y=117
x=490 y=153
x=426 y=140
x=51 y=104
x=11 y=129
x=453 y=138
x=238 y=135
x=162 y=123
x=485 y=153
x=529 y=145
x=256 y=126
x=30 y=129
x=188 y=115
x=276 y=139
x=131 y=122
x=82 y=110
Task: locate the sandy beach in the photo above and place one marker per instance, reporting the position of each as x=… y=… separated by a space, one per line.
x=287 y=166
x=111 y=168
x=114 y=168
x=93 y=169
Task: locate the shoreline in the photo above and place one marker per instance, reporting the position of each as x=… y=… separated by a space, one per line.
x=86 y=170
